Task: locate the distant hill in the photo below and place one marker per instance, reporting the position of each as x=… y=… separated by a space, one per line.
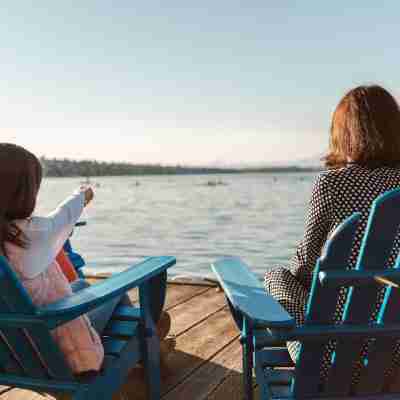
x=54 y=167
x=313 y=163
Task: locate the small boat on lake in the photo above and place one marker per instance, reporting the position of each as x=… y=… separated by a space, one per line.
x=215 y=182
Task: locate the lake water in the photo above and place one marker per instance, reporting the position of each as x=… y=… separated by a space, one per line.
x=259 y=217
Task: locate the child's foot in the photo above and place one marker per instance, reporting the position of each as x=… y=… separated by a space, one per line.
x=167 y=346
x=163 y=325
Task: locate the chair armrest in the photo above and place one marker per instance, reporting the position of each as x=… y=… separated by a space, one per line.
x=338 y=278
x=71 y=307
x=247 y=295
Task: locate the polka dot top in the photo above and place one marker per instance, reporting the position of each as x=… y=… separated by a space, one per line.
x=336 y=195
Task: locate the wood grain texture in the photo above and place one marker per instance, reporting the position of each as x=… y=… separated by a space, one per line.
x=195 y=310
x=208 y=377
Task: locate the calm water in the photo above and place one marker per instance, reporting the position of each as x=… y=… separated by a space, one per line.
x=258 y=217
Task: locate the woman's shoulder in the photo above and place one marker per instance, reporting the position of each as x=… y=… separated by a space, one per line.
x=337 y=177
x=349 y=171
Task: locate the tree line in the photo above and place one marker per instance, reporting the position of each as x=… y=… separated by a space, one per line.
x=54 y=167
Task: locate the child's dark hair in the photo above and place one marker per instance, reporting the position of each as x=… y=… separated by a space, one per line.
x=20 y=179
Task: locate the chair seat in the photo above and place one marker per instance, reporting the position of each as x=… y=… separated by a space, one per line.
x=120 y=331
x=275 y=357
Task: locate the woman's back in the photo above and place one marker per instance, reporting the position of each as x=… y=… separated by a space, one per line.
x=338 y=193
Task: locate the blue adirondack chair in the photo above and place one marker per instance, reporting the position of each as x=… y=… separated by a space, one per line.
x=30 y=359
x=266 y=327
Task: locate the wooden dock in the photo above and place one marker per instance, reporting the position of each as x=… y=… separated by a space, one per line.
x=206 y=363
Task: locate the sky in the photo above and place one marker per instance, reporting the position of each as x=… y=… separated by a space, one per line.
x=211 y=82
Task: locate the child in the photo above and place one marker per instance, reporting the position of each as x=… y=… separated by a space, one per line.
x=31 y=245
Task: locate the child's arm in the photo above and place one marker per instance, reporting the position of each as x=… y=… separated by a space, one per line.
x=47 y=235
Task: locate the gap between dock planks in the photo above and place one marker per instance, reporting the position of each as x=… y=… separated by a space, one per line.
x=177 y=292
x=194 y=348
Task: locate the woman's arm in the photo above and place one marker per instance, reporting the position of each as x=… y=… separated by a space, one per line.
x=318 y=224
x=47 y=235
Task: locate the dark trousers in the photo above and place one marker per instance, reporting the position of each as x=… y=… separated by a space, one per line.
x=100 y=316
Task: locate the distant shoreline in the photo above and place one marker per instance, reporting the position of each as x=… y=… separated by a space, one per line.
x=60 y=168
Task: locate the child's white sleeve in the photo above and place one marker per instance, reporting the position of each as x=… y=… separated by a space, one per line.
x=47 y=235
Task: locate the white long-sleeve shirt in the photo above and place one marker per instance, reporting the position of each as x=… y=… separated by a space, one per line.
x=47 y=235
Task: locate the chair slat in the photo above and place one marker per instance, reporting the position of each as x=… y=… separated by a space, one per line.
x=124 y=329
x=21 y=348
x=49 y=353
x=113 y=346
x=8 y=363
x=127 y=313
x=19 y=344
x=33 y=347
x=15 y=299
x=275 y=357
x=321 y=308
x=12 y=292
x=372 y=379
x=381 y=231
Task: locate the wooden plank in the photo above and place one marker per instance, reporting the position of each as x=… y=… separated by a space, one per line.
x=20 y=394
x=231 y=388
x=195 y=310
x=3 y=390
x=176 y=293
x=206 y=378
x=198 y=345
x=193 y=348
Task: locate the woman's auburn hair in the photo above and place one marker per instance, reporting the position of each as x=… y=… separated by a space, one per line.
x=365 y=129
x=20 y=177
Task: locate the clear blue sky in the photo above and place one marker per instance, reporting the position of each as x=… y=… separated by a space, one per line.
x=188 y=81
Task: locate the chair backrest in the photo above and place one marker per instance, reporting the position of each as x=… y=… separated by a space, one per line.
x=26 y=346
x=362 y=291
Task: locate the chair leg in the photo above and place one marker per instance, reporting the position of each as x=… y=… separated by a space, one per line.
x=151 y=360
x=150 y=344
x=247 y=353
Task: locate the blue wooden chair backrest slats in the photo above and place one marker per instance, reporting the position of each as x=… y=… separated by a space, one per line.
x=362 y=286
x=382 y=227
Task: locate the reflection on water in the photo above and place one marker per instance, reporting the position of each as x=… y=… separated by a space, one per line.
x=259 y=217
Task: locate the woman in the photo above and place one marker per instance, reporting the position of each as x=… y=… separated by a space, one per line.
x=363 y=162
